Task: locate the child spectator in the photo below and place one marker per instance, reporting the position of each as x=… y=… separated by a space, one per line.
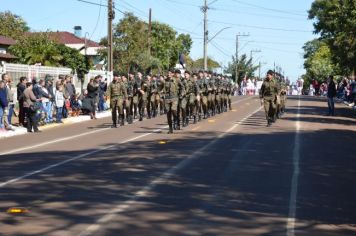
x=59 y=102
x=75 y=104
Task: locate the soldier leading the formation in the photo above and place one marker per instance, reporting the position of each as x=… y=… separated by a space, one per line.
x=268 y=95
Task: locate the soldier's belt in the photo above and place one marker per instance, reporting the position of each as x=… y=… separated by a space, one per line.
x=170 y=97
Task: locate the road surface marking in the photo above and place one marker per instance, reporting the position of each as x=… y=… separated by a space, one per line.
x=3 y=184
x=294 y=182
x=72 y=137
x=196 y=128
x=162 y=178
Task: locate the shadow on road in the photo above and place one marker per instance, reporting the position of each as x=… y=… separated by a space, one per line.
x=241 y=187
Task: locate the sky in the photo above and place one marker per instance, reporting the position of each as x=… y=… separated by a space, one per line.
x=276 y=29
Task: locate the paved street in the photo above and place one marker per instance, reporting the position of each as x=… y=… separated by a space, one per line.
x=227 y=175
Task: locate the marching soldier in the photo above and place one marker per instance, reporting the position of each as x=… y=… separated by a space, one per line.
x=204 y=88
x=182 y=102
x=268 y=94
x=192 y=93
x=155 y=98
x=170 y=88
x=128 y=100
x=134 y=99
x=117 y=93
x=142 y=95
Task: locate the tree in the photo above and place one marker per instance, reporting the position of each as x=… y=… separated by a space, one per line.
x=130 y=49
x=335 y=20
x=39 y=48
x=244 y=68
x=318 y=60
x=199 y=64
x=12 y=25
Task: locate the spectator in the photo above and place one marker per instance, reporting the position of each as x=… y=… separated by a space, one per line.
x=3 y=106
x=75 y=104
x=102 y=90
x=59 y=102
x=93 y=92
x=10 y=98
x=31 y=108
x=353 y=92
x=21 y=86
x=331 y=95
x=51 y=91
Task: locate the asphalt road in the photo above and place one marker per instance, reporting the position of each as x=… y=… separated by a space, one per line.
x=228 y=175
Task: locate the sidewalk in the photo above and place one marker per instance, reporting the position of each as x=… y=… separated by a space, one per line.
x=70 y=120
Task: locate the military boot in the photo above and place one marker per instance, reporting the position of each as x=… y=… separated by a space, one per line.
x=122 y=120
x=195 y=119
x=130 y=121
x=170 y=131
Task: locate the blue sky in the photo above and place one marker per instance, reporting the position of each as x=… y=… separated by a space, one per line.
x=278 y=28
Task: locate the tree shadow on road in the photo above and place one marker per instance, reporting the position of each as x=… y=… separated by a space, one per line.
x=238 y=185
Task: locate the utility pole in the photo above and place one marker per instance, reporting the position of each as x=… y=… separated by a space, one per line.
x=111 y=16
x=204 y=9
x=237 y=53
x=149 y=30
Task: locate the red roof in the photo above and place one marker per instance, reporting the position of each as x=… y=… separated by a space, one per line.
x=7 y=56
x=6 y=40
x=65 y=37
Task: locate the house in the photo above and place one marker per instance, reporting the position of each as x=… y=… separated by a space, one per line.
x=83 y=44
x=5 y=43
x=74 y=40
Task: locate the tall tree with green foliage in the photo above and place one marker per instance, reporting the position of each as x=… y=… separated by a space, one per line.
x=39 y=48
x=131 y=45
x=335 y=20
x=318 y=61
x=12 y=25
x=244 y=68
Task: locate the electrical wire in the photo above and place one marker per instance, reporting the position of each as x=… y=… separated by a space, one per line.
x=260 y=27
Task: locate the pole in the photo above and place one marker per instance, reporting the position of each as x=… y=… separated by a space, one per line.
x=205 y=10
x=236 y=56
x=110 y=40
x=149 y=30
x=259 y=70
x=237 y=53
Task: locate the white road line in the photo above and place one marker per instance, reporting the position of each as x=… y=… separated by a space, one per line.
x=3 y=184
x=294 y=183
x=72 y=137
x=161 y=179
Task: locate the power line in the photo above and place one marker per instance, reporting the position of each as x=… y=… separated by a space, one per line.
x=97 y=22
x=260 y=27
x=270 y=9
x=255 y=14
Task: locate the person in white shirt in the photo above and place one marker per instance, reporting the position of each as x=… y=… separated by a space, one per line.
x=59 y=103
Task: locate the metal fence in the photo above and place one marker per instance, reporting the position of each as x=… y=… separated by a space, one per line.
x=36 y=71
x=33 y=71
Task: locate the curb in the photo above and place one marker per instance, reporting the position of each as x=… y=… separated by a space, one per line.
x=68 y=121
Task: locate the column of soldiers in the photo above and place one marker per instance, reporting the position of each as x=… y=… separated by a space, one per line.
x=273 y=95
x=184 y=99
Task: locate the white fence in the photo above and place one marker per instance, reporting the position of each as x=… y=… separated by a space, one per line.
x=34 y=71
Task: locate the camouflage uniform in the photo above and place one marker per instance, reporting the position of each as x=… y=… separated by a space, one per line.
x=117 y=93
x=268 y=93
x=170 y=91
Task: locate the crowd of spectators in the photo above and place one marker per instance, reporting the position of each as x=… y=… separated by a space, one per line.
x=48 y=100
x=345 y=90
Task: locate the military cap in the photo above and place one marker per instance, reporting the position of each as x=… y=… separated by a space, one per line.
x=187 y=71
x=200 y=71
x=270 y=72
x=171 y=70
x=116 y=74
x=177 y=71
